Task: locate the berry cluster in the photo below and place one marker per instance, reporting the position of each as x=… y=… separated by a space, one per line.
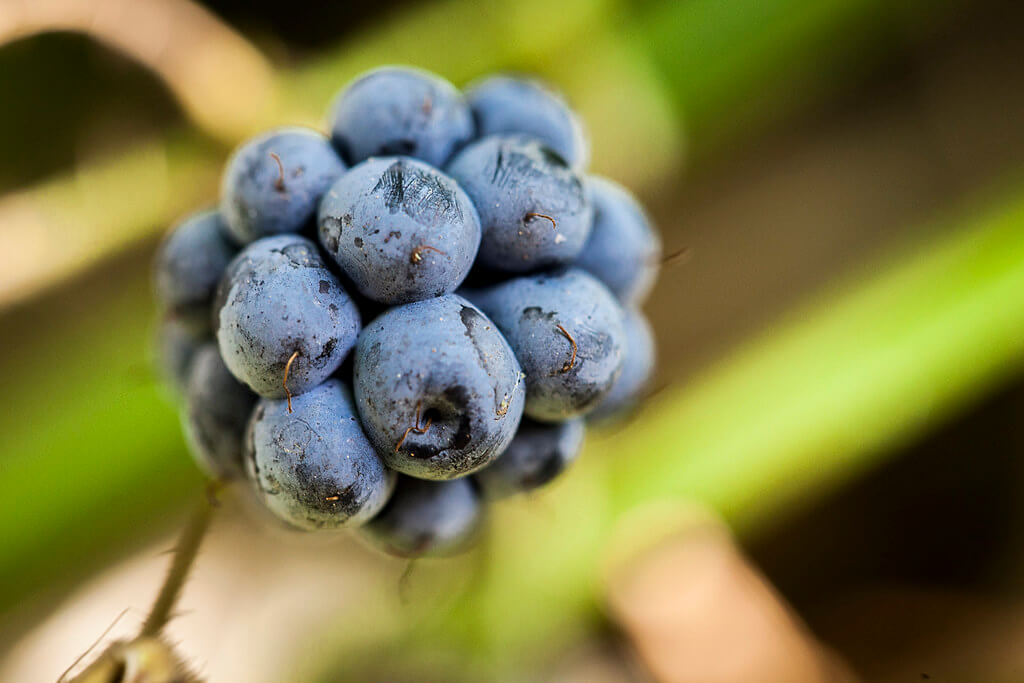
x=498 y=285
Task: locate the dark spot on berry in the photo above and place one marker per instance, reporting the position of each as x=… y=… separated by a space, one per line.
x=405 y=146
x=424 y=197
x=328 y=349
x=458 y=399
x=463 y=434
x=535 y=313
x=319 y=493
x=420 y=451
x=343 y=149
x=301 y=256
x=331 y=242
x=552 y=157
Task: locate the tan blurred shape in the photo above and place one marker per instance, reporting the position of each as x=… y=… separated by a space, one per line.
x=696 y=610
x=222 y=82
x=143 y=660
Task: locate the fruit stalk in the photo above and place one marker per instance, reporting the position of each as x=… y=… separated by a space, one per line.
x=185 y=553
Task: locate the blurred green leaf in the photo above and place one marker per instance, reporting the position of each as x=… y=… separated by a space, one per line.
x=92 y=449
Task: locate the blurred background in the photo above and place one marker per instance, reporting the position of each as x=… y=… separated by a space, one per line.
x=825 y=483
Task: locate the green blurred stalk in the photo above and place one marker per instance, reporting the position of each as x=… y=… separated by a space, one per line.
x=734 y=67
x=820 y=396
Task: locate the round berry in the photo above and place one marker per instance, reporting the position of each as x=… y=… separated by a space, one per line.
x=505 y=104
x=538 y=454
x=400 y=111
x=533 y=210
x=217 y=409
x=439 y=391
x=637 y=368
x=273 y=183
x=311 y=463
x=566 y=330
x=284 y=323
x=427 y=518
x=623 y=251
x=399 y=229
x=191 y=261
x=177 y=343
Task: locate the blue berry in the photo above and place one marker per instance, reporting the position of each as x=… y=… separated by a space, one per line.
x=623 y=251
x=399 y=229
x=177 y=343
x=217 y=409
x=279 y=312
x=538 y=454
x=427 y=518
x=191 y=261
x=273 y=183
x=566 y=329
x=504 y=104
x=637 y=368
x=439 y=391
x=400 y=111
x=533 y=209
x=312 y=465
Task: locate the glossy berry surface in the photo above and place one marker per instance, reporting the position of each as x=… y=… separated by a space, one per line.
x=278 y=300
x=533 y=209
x=505 y=104
x=399 y=229
x=566 y=330
x=191 y=261
x=400 y=111
x=273 y=183
x=439 y=391
x=623 y=251
x=427 y=518
x=538 y=454
x=217 y=409
x=313 y=466
x=637 y=368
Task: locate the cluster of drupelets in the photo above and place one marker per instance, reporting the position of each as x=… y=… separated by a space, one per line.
x=389 y=326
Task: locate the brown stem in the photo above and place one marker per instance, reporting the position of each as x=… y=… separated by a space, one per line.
x=279 y=183
x=184 y=556
x=417 y=254
x=530 y=216
x=284 y=381
x=416 y=428
x=675 y=257
x=572 y=361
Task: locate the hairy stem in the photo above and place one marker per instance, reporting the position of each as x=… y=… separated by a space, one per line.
x=184 y=556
